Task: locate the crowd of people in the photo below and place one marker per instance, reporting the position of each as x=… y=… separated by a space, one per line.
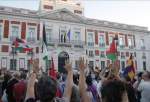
x=106 y=85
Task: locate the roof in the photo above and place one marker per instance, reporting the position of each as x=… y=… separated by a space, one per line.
x=68 y=16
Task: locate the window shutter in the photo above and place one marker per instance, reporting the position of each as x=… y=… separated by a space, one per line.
x=23 y=30
x=6 y=28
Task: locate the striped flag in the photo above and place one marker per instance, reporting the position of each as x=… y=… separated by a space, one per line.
x=129 y=70
x=68 y=34
x=21 y=45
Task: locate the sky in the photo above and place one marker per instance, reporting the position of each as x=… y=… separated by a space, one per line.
x=134 y=12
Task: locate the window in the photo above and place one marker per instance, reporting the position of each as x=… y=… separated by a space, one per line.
x=77 y=36
x=4 y=62
x=142 y=43
x=91 y=64
x=144 y=56
x=31 y=35
x=91 y=53
x=121 y=41
x=63 y=35
x=130 y=42
x=22 y=63
x=90 y=39
x=144 y=65
x=48 y=35
x=110 y=39
x=122 y=64
x=13 y=64
x=102 y=64
x=134 y=54
x=14 y=33
x=122 y=55
x=102 y=54
x=0 y=32
x=101 y=41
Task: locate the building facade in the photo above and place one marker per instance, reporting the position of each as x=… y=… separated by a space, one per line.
x=69 y=35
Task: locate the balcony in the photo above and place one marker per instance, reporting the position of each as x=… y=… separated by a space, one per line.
x=91 y=44
x=102 y=55
x=122 y=46
x=13 y=38
x=122 y=56
x=102 y=45
x=31 y=40
x=131 y=47
x=91 y=55
x=71 y=43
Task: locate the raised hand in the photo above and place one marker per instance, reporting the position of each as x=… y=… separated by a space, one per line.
x=32 y=79
x=82 y=64
x=68 y=65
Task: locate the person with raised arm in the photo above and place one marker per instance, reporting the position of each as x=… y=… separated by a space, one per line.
x=82 y=83
x=69 y=81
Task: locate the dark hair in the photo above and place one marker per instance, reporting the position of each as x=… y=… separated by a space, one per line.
x=7 y=76
x=58 y=76
x=131 y=93
x=75 y=96
x=23 y=75
x=89 y=80
x=113 y=90
x=140 y=74
x=76 y=79
x=46 y=88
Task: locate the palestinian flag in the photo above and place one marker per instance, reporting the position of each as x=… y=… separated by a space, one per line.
x=20 y=45
x=111 y=53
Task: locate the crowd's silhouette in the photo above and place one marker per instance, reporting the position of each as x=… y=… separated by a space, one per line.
x=84 y=85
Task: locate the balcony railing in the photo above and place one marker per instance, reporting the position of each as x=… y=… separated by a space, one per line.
x=122 y=57
x=131 y=47
x=13 y=38
x=68 y=43
x=91 y=55
x=102 y=56
x=102 y=45
x=122 y=46
x=91 y=44
x=30 y=39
